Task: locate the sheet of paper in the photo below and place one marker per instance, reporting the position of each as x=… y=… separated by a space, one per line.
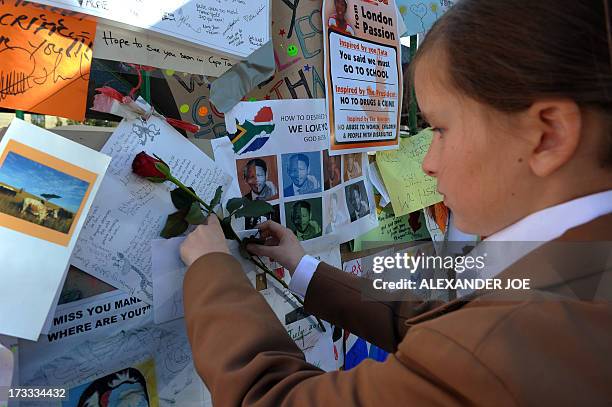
x=144 y=48
x=363 y=75
x=105 y=313
x=158 y=356
x=409 y=187
x=169 y=271
x=436 y=233
x=378 y=184
x=234 y=27
x=115 y=244
x=419 y=16
x=47 y=186
x=45 y=58
x=391 y=229
x=281 y=156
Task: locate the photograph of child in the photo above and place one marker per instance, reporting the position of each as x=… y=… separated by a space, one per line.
x=304 y=218
x=337 y=22
x=335 y=214
x=301 y=173
x=331 y=170
x=258 y=178
x=352 y=166
x=357 y=201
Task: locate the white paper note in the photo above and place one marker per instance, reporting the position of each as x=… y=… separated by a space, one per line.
x=234 y=27
x=47 y=186
x=145 y=48
x=115 y=244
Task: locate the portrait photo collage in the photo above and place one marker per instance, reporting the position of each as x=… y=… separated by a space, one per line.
x=312 y=193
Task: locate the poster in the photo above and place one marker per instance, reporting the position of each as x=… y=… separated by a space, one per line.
x=47 y=186
x=297 y=37
x=420 y=15
x=235 y=28
x=144 y=48
x=363 y=74
x=115 y=244
x=45 y=58
x=279 y=155
x=409 y=187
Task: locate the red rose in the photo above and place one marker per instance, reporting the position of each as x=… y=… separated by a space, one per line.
x=151 y=168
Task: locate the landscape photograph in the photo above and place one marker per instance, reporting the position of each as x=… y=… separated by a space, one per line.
x=39 y=194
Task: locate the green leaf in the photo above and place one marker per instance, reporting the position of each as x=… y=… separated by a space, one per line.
x=234 y=204
x=254 y=209
x=217 y=198
x=195 y=215
x=175 y=225
x=181 y=198
x=228 y=231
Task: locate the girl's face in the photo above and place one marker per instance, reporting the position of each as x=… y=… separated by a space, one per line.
x=340 y=7
x=479 y=163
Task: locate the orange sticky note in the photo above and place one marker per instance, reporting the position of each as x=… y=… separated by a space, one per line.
x=45 y=59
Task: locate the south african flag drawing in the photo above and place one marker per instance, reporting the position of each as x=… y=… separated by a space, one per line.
x=252 y=135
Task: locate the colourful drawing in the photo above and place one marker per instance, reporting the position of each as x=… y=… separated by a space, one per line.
x=419 y=16
x=254 y=134
x=130 y=387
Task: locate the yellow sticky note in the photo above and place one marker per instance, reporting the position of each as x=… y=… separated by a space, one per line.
x=409 y=187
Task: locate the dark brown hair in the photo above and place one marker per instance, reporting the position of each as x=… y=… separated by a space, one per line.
x=507 y=54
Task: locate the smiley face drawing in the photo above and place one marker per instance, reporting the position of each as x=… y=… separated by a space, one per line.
x=292 y=50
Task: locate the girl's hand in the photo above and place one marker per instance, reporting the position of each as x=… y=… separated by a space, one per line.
x=205 y=239
x=281 y=245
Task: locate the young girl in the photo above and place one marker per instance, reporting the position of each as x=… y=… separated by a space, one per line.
x=519 y=94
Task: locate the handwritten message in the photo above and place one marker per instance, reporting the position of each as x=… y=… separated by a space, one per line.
x=233 y=27
x=45 y=58
x=297 y=26
x=391 y=229
x=409 y=187
x=134 y=47
x=115 y=243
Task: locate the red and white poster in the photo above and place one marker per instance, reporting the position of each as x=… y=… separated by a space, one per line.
x=363 y=74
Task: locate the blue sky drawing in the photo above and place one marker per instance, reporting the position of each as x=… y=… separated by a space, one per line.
x=38 y=179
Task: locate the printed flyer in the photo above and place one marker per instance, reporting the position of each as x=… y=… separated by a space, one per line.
x=363 y=74
x=279 y=155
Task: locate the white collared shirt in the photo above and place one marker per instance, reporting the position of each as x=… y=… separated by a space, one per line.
x=535 y=229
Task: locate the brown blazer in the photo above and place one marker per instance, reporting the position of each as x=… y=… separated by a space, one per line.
x=552 y=347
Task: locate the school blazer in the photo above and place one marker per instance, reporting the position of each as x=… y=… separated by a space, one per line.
x=552 y=347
